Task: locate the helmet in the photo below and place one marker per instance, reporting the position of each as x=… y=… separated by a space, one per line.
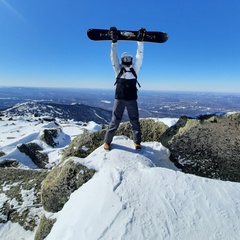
x=126 y=58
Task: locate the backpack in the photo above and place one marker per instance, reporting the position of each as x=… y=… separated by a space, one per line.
x=126 y=89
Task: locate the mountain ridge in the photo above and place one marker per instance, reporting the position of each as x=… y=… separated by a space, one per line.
x=76 y=112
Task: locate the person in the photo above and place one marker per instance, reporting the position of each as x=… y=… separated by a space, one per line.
x=126 y=90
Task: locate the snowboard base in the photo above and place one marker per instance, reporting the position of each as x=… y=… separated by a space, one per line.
x=127 y=35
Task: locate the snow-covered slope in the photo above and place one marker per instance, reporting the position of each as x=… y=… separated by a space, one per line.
x=141 y=195
x=24 y=130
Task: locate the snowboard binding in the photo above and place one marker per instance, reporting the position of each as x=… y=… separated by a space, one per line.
x=113 y=33
x=141 y=34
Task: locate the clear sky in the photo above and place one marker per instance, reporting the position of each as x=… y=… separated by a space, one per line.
x=44 y=43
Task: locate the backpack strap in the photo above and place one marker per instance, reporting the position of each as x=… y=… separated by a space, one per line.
x=123 y=70
x=133 y=72
x=135 y=75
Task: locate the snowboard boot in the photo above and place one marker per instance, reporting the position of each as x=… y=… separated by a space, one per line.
x=106 y=146
x=137 y=146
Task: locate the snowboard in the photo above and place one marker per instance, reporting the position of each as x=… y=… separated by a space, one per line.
x=127 y=35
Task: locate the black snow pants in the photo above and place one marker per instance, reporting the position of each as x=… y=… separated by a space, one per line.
x=133 y=114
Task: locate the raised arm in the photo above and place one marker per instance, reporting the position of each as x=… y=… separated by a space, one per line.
x=114 y=58
x=139 y=57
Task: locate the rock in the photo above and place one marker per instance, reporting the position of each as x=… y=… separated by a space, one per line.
x=208 y=146
x=44 y=228
x=49 y=135
x=33 y=151
x=84 y=144
x=9 y=163
x=15 y=184
x=152 y=130
x=2 y=153
x=61 y=182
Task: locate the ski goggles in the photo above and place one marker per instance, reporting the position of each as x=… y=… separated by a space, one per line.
x=127 y=59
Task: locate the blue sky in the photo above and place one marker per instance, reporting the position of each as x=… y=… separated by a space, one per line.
x=44 y=43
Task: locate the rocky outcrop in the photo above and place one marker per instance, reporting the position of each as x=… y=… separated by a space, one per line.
x=49 y=136
x=9 y=163
x=85 y=143
x=152 y=130
x=17 y=184
x=61 y=182
x=33 y=151
x=208 y=146
x=44 y=228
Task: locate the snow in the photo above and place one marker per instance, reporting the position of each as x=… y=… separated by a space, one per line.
x=133 y=194
x=24 y=130
x=168 y=121
x=13 y=231
x=106 y=101
x=141 y=195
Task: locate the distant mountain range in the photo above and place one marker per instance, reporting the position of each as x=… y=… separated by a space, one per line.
x=76 y=112
x=157 y=104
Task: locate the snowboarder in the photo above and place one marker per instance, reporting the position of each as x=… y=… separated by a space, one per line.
x=126 y=89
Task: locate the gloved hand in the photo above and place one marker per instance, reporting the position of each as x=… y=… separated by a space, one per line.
x=141 y=34
x=113 y=33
